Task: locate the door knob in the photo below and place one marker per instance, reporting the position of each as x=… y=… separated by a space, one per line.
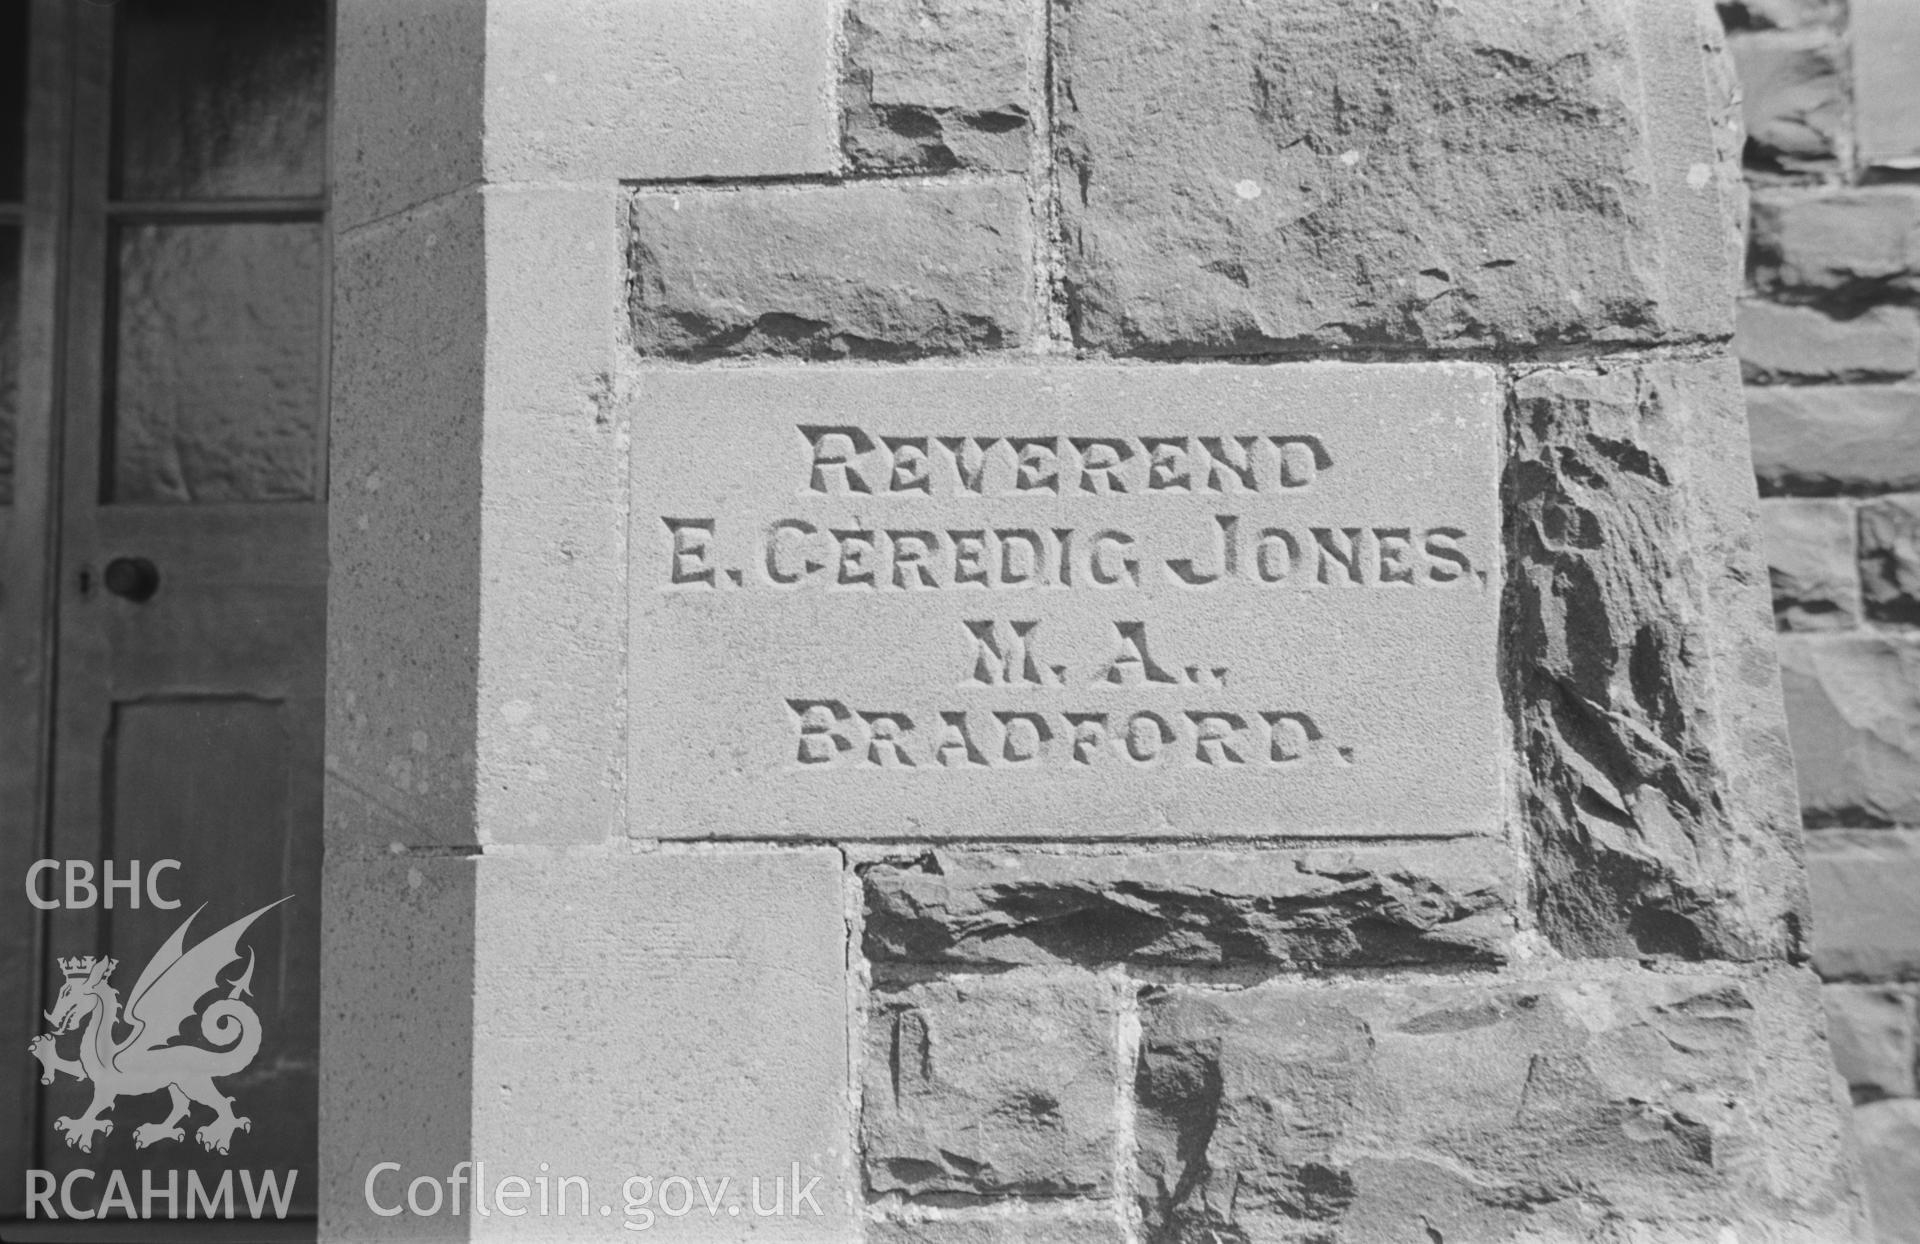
x=134 y=578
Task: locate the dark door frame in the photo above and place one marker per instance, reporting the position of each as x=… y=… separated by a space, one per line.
x=29 y=533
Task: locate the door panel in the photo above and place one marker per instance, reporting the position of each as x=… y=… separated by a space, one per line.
x=212 y=782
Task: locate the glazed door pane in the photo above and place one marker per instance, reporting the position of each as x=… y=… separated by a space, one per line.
x=216 y=366
x=220 y=99
x=13 y=100
x=13 y=159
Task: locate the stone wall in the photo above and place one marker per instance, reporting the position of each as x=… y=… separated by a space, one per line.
x=1829 y=340
x=1524 y=959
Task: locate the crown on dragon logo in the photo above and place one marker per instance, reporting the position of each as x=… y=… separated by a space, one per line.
x=73 y=969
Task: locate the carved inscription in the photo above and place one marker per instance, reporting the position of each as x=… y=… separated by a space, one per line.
x=1033 y=600
x=831 y=733
x=796 y=554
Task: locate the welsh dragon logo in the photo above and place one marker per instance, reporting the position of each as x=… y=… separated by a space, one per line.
x=146 y=1060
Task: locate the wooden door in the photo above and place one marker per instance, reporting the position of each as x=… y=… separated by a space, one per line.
x=189 y=542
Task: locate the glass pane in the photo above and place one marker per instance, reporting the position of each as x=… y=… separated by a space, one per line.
x=13 y=98
x=220 y=98
x=9 y=354
x=215 y=393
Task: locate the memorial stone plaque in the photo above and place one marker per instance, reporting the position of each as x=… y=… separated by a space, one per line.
x=1087 y=602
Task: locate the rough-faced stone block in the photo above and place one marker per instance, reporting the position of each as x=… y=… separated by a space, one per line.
x=1811 y=563
x=1871 y=1029
x=1885 y=37
x=1250 y=179
x=1889 y=1133
x=1832 y=440
x=992 y=1086
x=1024 y=1225
x=1851 y=244
x=1777 y=14
x=1651 y=1107
x=1073 y=601
x=870 y=271
x=1867 y=926
x=935 y=85
x=1779 y=342
x=599 y=90
x=1794 y=94
x=1853 y=703
x=1445 y=903
x=1890 y=559
x=1657 y=784
x=665 y=1014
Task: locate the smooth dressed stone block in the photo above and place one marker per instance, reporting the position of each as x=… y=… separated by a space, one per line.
x=1863 y=882
x=1889 y=1133
x=665 y=1014
x=406 y=481
x=1886 y=46
x=659 y=90
x=398 y=959
x=1019 y=1225
x=1098 y=601
x=1871 y=1029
